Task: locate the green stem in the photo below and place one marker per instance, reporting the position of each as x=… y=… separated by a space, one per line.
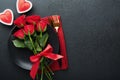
x=40 y=34
x=43 y=61
x=48 y=75
x=32 y=43
x=49 y=68
x=37 y=76
x=42 y=70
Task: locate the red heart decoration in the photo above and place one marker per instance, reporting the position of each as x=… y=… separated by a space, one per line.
x=23 y=6
x=6 y=17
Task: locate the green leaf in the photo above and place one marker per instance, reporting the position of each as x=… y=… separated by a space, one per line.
x=34 y=35
x=39 y=49
x=28 y=44
x=18 y=43
x=37 y=46
x=43 y=40
x=45 y=29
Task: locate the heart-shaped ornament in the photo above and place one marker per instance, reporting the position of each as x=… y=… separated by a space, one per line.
x=23 y=6
x=6 y=17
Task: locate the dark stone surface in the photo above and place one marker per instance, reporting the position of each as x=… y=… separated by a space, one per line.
x=92 y=33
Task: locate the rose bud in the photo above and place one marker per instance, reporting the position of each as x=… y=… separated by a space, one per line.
x=20 y=21
x=19 y=34
x=33 y=19
x=29 y=29
x=41 y=26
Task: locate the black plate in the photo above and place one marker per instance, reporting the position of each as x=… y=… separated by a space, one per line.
x=21 y=56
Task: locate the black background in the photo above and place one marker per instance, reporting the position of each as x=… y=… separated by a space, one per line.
x=92 y=34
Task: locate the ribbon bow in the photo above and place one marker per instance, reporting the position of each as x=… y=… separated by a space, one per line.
x=48 y=53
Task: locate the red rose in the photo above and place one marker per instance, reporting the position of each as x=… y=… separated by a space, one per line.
x=29 y=29
x=46 y=20
x=33 y=19
x=41 y=26
x=19 y=34
x=20 y=21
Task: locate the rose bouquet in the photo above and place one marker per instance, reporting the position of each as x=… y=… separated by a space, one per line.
x=31 y=34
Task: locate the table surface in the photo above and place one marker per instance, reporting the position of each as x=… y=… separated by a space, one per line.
x=92 y=34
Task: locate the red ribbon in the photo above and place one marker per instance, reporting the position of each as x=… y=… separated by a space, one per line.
x=64 y=61
x=48 y=53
